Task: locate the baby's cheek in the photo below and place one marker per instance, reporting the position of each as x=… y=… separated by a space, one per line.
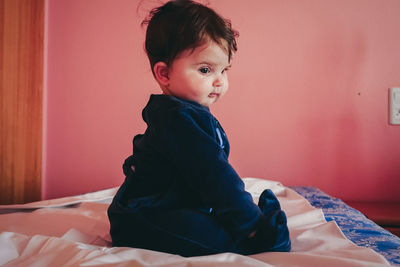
x=226 y=84
x=226 y=87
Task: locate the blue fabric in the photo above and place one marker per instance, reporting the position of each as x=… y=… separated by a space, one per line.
x=179 y=175
x=355 y=226
x=189 y=232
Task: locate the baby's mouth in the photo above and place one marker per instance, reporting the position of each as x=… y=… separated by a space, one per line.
x=212 y=95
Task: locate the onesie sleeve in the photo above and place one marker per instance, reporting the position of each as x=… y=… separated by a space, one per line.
x=188 y=139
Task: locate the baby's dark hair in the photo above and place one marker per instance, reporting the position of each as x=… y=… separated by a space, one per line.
x=183 y=24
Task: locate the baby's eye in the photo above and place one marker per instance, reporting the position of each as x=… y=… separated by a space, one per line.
x=226 y=69
x=205 y=70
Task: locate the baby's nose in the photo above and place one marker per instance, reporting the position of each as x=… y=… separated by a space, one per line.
x=218 y=82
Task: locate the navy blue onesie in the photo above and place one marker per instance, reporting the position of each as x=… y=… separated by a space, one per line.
x=182 y=196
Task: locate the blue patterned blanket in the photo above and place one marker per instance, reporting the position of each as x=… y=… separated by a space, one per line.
x=354 y=225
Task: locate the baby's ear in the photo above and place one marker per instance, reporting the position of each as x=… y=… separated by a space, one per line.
x=161 y=72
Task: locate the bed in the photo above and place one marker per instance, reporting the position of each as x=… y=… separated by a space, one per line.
x=73 y=231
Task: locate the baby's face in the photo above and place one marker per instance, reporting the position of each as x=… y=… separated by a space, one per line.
x=200 y=75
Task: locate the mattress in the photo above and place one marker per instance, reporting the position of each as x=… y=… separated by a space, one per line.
x=73 y=231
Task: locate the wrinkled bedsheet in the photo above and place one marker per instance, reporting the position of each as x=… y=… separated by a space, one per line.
x=73 y=231
x=360 y=230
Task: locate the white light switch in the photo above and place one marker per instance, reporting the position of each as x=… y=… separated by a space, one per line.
x=394 y=105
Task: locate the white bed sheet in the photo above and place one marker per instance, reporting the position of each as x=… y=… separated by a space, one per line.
x=73 y=231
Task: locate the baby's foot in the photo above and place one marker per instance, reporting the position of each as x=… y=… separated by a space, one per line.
x=268 y=202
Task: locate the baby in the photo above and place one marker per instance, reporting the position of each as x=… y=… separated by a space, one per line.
x=180 y=194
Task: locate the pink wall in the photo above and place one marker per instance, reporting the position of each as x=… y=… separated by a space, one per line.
x=307 y=104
